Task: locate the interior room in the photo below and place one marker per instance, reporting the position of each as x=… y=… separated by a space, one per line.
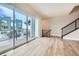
x=39 y=29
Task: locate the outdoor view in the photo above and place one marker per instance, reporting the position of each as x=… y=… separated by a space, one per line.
x=15 y=31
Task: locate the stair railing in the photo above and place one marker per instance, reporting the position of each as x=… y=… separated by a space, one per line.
x=70 y=27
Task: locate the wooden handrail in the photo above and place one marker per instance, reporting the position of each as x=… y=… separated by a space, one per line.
x=69 y=23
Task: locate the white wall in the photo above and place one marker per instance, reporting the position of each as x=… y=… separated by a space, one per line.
x=45 y=23
x=38 y=27
x=56 y=23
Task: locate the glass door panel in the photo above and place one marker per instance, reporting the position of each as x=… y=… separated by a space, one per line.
x=20 y=28
x=6 y=28
x=36 y=27
x=31 y=28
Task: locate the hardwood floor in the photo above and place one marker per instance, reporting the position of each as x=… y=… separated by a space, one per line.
x=47 y=47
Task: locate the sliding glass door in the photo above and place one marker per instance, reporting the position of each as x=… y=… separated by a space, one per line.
x=16 y=28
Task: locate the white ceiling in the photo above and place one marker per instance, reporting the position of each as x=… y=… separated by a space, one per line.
x=53 y=9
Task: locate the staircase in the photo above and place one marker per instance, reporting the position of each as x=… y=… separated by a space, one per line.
x=70 y=27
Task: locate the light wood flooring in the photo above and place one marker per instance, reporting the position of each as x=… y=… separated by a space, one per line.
x=53 y=46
